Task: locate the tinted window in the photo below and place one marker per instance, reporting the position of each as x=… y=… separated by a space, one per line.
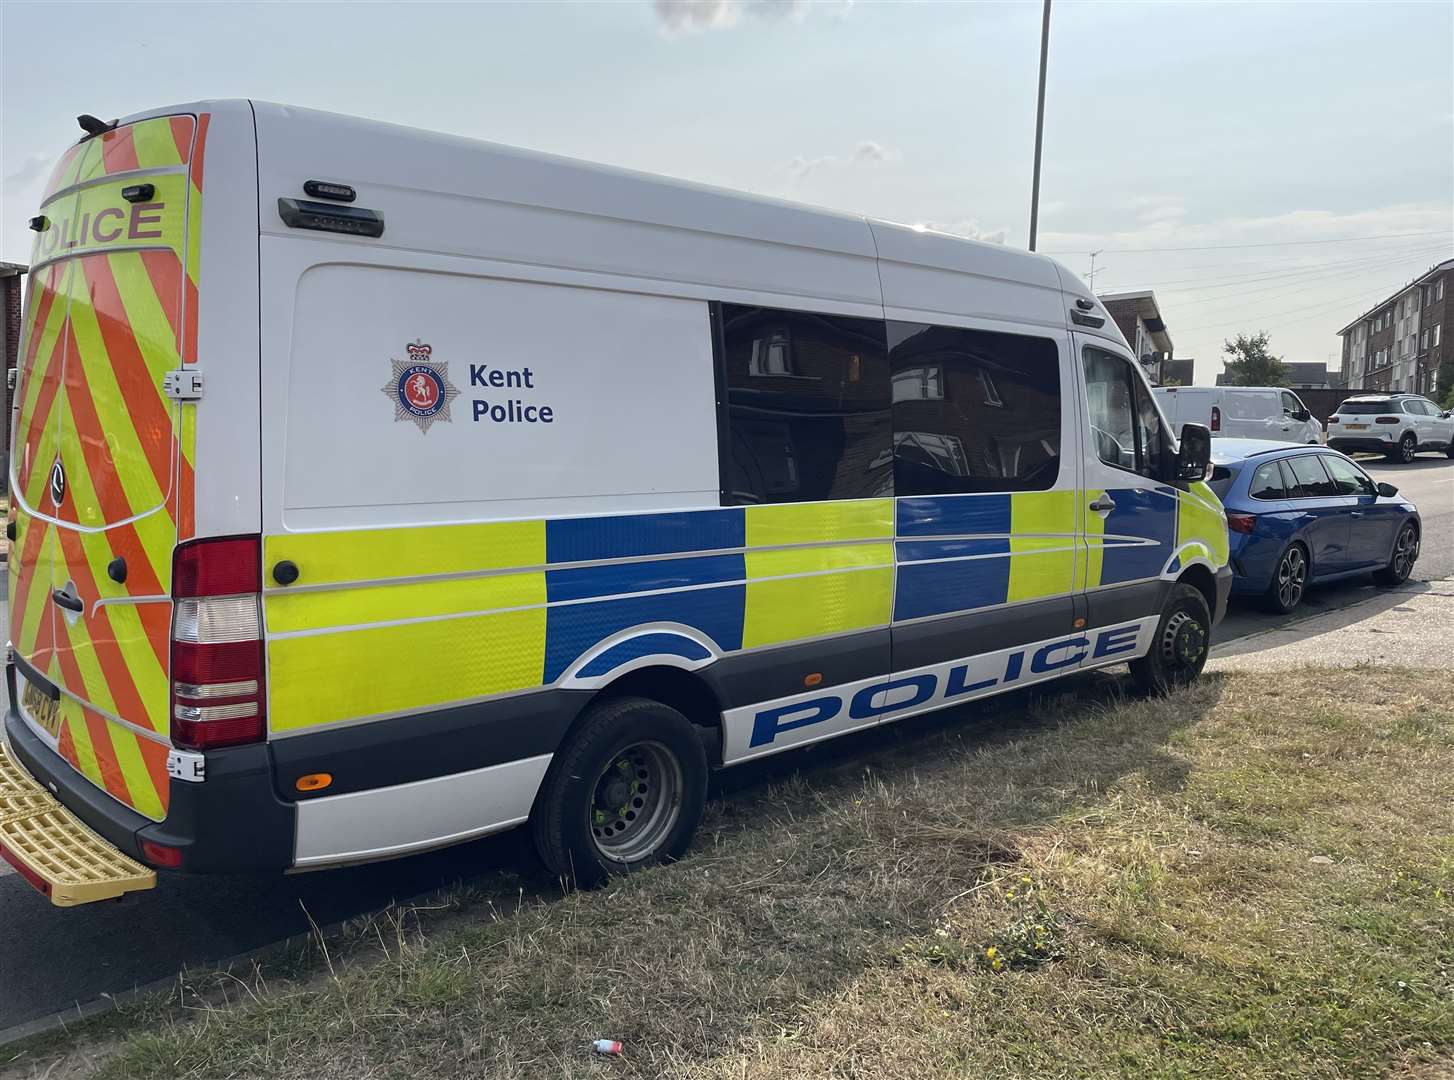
x=1267 y=482
x=973 y=410
x=1312 y=479
x=1126 y=429
x=808 y=407
x=1350 y=479
x=1414 y=407
x=1369 y=407
x=1221 y=480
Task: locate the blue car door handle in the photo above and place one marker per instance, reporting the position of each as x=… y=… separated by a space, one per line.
x=1356 y=513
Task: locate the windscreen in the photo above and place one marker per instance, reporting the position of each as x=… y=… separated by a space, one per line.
x=1366 y=407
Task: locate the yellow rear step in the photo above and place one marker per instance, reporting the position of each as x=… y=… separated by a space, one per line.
x=54 y=851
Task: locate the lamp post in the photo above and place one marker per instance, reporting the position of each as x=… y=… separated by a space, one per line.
x=1039 y=125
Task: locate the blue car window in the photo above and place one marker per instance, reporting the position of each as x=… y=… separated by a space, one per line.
x=1351 y=480
x=1312 y=479
x=1267 y=482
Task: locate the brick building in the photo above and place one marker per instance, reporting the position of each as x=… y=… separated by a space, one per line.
x=1399 y=344
x=12 y=276
x=1139 y=317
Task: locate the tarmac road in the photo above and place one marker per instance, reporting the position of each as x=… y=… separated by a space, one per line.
x=51 y=959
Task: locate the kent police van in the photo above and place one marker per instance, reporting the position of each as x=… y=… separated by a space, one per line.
x=375 y=490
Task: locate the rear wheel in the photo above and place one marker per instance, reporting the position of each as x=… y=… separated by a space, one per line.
x=1179 y=651
x=1405 y=554
x=1449 y=450
x=625 y=792
x=1285 y=590
x=1407 y=447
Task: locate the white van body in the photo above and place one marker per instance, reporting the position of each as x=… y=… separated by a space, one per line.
x=1241 y=412
x=446 y=453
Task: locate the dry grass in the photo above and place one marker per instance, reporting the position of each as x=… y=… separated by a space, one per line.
x=1251 y=879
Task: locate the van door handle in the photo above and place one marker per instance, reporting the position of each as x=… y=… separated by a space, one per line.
x=66 y=600
x=1105 y=504
x=1356 y=513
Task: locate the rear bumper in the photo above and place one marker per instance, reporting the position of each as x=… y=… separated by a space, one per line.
x=232 y=822
x=1367 y=444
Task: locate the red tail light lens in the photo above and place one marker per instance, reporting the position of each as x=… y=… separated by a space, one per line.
x=1242 y=523
x=168 y=858
x=1216 y=418
x=1386 y=420
x=1332 y=419
x=218 y=692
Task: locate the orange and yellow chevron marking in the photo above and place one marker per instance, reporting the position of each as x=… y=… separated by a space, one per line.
x=114 y=309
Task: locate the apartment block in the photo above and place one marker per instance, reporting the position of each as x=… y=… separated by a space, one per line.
x=1398 y=344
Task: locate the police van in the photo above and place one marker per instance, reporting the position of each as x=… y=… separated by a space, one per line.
x=375 y=490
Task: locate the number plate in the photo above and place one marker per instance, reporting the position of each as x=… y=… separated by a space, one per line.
x=1356 y=427
x=43 y=710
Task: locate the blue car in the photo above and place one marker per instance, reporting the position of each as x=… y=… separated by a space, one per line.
x=1299 y=515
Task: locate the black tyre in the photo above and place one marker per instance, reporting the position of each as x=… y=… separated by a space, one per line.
x=1179 y=651
x=1289 y=580
x=624 y=792
x=1407 y=447
x=1401 y=562
x=1449 y=450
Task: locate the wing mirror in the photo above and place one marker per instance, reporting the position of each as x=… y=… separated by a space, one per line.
x=1302 y=415
x=1195 y=455
x=1388 y=491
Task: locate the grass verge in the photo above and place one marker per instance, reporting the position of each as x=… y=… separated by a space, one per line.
x=1251 y=879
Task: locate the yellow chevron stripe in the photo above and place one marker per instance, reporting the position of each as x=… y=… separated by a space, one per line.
x=155 y=147
x=37 y=583
x=144 y=798
x=75 y=723
x=32 y=474
x=147 y=674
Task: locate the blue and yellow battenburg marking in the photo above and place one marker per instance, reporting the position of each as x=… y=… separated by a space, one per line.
x=376 y=627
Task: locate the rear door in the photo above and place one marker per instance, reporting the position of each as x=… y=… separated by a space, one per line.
x=1322 y=514
x=103 y=459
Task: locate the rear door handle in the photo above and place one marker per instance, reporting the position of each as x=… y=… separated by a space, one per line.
x=1356 y=513
x=1103 y=505
x=66 y=600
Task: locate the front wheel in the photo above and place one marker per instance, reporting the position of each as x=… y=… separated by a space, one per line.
x=1183 y=638
x=626 y=791
x=1401 y=564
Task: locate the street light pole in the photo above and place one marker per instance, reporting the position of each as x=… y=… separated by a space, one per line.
x=1039 y=126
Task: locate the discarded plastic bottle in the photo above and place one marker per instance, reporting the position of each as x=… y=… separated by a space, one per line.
x=607 y=1046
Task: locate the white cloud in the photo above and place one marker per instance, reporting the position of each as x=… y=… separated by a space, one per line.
x=699 y=16
x=969 y=228
x=867 y=152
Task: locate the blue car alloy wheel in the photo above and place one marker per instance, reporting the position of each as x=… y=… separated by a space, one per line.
x=1285 y=591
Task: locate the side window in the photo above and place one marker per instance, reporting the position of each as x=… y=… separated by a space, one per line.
x=1126 y=429
x=1290 y=404
x=1412 y=407
x=807 y=407
x=1312 y=479
x=1267 y=482
x=973 y=410
x=1351 y=480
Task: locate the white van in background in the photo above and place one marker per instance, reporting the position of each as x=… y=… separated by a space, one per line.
x=1241 y=412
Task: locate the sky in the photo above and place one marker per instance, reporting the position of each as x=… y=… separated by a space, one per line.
x=1277 y=167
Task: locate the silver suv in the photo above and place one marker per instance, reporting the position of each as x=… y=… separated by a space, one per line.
x=1396 y=425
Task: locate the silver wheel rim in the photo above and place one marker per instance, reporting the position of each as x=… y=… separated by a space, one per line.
x=1406 y=552
x=1292 y=575
x=635 y=802
x=1407 y=446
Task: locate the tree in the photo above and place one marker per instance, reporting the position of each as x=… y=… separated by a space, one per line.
x=1250 y=363
x=1446 y=384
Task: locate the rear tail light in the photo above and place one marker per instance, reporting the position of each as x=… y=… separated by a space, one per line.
x=1386 y=420
x=218 y=692
x=1332 y=419
x=1242 y=523
x=1216 y=418
x=161 y=855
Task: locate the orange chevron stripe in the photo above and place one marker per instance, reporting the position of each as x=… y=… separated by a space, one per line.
x=165 y=270
x=39 y=309
x=149 y=415
x=195 y=171
x=154 y=756
x=44 y=643
x=111 y=774
x=67 y=747
x=97 y=623
x=63 y=166
x=24 y=568
x=49 y=373
x=118 y=151
x=182 y=135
